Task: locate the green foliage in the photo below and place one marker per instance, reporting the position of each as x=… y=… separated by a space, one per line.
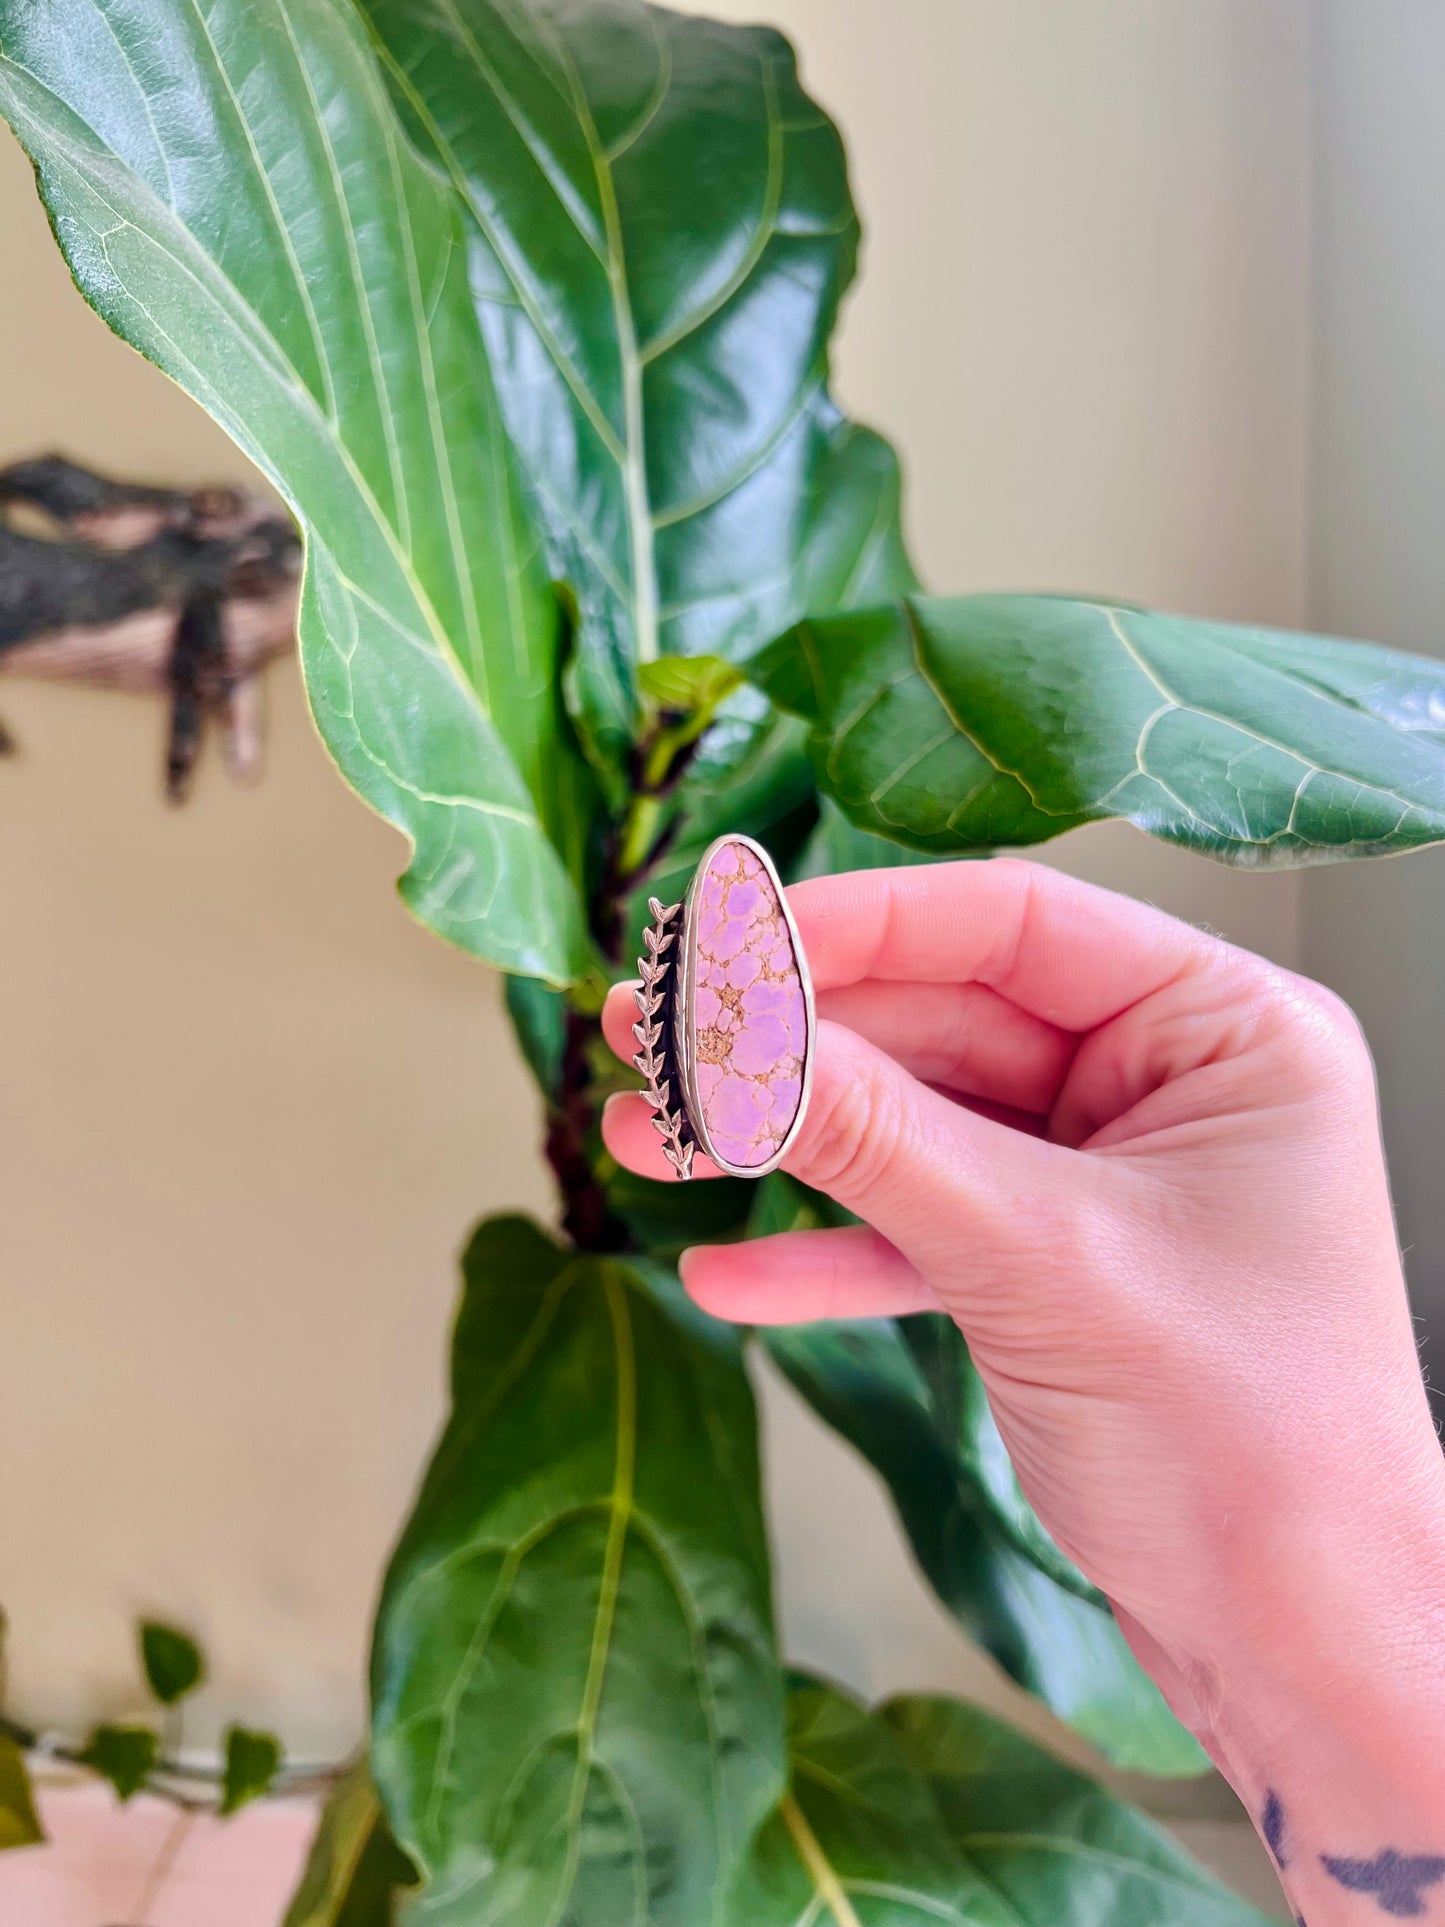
x=124 y=1755
x=574 y=1686
x=19 y=1822
x=974 y=722
x=308 y=285
x=171 y=1659
x=659 y=233
x=355 y=1874
x=929 y=1810
x=837 y=846
x=251 y=1763
x=689 y=683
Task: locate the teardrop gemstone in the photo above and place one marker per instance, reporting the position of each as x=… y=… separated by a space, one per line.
x=749 y=1016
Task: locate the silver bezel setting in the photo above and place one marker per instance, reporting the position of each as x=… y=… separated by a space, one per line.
x=684 y=1040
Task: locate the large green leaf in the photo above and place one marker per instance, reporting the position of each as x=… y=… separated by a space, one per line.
x=980 y=721
x=930 y=1810
x=355 y=1874
x=837 y=845
x=661 y=233
x=578 y=1715
x=235 y=195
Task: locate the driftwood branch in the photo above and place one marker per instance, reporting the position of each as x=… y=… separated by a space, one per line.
x=185 y=593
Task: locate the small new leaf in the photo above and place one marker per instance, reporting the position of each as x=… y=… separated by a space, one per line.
x=124 y=1755
x=172 y=1661
x=689 y=682
x=19 y=1823
x=252 y=1763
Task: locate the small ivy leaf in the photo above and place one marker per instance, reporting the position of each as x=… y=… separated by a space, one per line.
x=252 y=1763
x=124 y=1755
x=172 y=1661
x=19 y=1823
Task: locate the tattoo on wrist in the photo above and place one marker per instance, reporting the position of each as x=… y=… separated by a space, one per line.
x=1271 y=1825
x=1396 y=1881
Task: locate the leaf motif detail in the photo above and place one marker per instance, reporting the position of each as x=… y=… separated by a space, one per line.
x=654 y=1000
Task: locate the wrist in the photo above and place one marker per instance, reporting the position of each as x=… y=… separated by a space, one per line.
x=1325 y=1708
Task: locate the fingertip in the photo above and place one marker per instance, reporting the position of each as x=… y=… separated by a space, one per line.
x=706 y=1281
x=692 y=1270
x=797 y=1277
x=619 y=1014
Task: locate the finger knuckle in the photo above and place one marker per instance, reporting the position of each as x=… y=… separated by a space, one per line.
x=1314 y=1023
x=857 y=1136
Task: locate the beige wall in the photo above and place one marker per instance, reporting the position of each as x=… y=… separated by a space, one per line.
x=248 y=1110
x=1376 y=931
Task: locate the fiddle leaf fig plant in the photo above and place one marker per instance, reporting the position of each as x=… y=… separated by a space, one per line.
x=524 y=306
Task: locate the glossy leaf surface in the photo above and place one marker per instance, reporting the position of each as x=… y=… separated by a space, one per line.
x=577 y=1710
x=355 y=1874
x=975 y=722
x=929 y=1435
x=171 y=1659
x=236 y=197
x=661 y=231
x=931 y=1810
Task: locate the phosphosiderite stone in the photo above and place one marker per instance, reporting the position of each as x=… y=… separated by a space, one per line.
x=749 y=1012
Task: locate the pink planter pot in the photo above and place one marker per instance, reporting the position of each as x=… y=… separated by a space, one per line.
x=99 y=1858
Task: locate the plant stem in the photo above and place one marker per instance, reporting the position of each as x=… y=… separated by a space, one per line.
x=587 y=1215
x=165 y=1860
x=636 y=843
x=169 y=1775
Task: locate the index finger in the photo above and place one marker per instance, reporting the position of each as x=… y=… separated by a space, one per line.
x=1067 y=951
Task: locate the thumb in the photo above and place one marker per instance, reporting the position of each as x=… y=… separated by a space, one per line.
x=921 y=1169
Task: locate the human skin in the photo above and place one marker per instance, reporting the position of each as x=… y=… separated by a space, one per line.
x=1142 y=1170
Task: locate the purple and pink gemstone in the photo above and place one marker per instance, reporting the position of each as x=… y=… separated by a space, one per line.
x=749 y=1010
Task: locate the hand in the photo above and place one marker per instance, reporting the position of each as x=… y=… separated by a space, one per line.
x=1142 y=1169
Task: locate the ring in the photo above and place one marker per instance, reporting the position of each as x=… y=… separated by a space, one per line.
x=725 y=1026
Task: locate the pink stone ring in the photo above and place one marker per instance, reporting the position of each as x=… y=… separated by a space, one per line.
x=725 y=1036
